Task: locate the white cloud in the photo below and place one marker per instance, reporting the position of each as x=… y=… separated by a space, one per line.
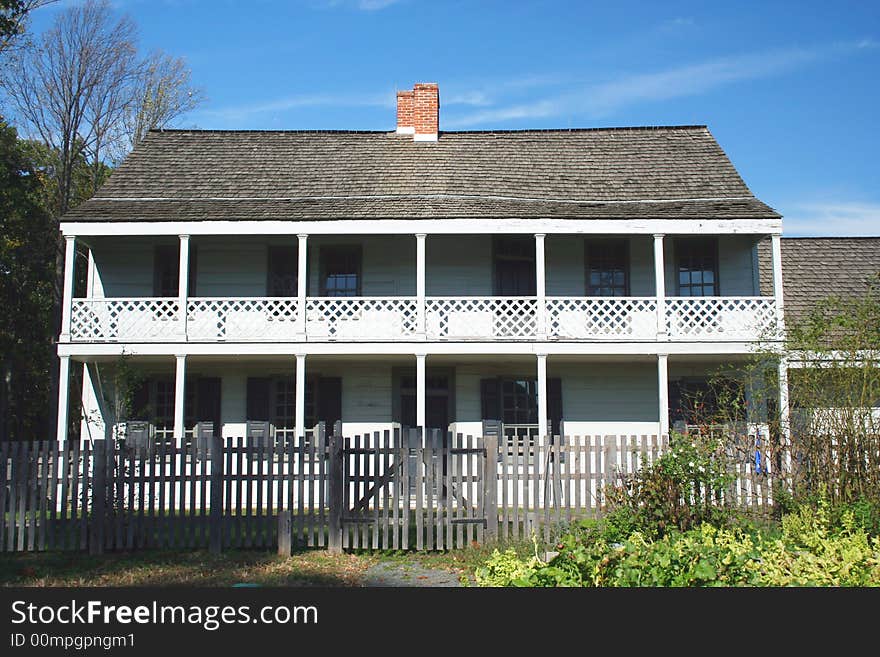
x=603 y=99
x=242 y=112
x=837 y=219
x=363 y=5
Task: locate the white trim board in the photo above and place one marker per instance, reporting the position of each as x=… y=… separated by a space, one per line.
x=430 y=226
x=398 y=348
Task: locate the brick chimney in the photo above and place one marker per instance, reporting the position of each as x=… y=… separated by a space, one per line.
x=418 y=111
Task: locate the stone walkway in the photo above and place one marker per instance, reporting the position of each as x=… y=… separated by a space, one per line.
x=394 y=574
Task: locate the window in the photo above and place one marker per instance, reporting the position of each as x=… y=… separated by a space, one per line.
x=607 y=264
x=697 y=263
x=340 y=271
x=514 y=401
x=281 y=271
x=514 y=266
x=166 y=264
x=438 y=402
x=274 y=400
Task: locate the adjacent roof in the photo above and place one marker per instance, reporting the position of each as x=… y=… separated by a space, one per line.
x=652 y=172
x=814 y=268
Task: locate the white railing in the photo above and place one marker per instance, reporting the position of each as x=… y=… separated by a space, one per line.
x=353 y=319
x=481 y=318
x=613 y=318
x=125 y=320
x=254 y=319
x=719 y=318
x=360 y=318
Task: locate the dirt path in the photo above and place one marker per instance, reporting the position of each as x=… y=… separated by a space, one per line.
x=408 y=574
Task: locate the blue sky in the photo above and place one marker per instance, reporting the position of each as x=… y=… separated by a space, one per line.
x=789 y=89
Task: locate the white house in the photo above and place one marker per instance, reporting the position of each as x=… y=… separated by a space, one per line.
x=417 y=276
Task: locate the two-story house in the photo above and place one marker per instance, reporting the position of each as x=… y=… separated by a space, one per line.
x=416 y=276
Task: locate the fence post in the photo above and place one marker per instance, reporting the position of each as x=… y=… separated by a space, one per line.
x=336 y=494
x=215 y=530
x=99 y=496
x=284 y=533
x=490 y=486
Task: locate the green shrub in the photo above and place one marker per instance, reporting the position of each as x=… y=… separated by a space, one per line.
x=680 y=490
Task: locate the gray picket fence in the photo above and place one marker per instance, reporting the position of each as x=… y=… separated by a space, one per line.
x=395 y=489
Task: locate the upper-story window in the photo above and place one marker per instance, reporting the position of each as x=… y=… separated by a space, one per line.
x=340 y=271
x=607 y=263
x=166 y=267
x=697 y=266
x=514 y=266
x=281 y=271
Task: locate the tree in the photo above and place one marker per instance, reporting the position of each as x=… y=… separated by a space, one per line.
x=27 y=263
x=13 y=20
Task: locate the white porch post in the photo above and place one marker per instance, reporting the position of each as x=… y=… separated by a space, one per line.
x=543 y=430
x=179 y=396
x=300 y=419
x=784 y=415
x=183 y=284
x=777 y=282
x=63 y=390
x=421 y=392
x=67 y=298
x=663 y=392
x=660 y=286
x=301 y=284
x=420 y=284
x=540 y=286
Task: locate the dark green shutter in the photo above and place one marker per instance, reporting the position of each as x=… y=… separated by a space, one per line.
x=330 y=399
x=140 y=402
x=208 y=402
x=490 y=399
x=554 y=404
x=258 y=399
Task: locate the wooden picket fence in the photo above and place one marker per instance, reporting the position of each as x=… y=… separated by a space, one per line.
x=386 y=490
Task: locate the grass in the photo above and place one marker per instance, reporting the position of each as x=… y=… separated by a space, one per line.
x=304 y=568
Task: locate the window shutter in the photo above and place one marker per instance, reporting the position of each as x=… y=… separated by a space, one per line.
x=258 y=399
x=191 y=282
x=554 y=404
x=490 y=399
x=208 y=402
x=140 y=402
x=329 y=400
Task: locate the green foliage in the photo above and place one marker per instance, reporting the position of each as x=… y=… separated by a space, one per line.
x=680 y=490
x=811 y=550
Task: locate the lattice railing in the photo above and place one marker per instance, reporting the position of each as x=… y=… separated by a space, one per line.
x=481 y=318
x=581 y=318
x=360 y=318
x=241 y=319
x=736 y=318
x=139 y=319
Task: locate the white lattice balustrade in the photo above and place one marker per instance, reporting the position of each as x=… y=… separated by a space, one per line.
x=360 y=318
x=124 y=320
x=256 y=319
x=583 y=318
x=735 y=318
x=481 y=318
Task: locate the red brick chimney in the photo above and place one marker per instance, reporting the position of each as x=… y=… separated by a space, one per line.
x=418 y=111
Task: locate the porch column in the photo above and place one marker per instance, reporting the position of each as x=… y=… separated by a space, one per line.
x=421 y=391
x=420 y=284
x=543 y=430
x=660 y=286
x=179 y=396
x=663 y=392
x=784 y=416
x=540 y=286
x=183 y=285
x=67 y=298
x=301 y=284
x=300 y=419
x=63 y=390
x=777 y=281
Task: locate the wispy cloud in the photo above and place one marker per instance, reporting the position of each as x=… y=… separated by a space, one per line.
x=363 y=5
x=236 y=113
x=602 y=99
x=840 y=219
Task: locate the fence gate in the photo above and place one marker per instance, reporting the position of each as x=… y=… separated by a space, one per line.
x=400 y=490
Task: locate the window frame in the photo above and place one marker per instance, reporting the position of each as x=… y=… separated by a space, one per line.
x=324 y=253
x=714 y=252
x=592 y=242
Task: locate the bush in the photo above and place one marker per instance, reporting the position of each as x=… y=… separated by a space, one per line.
x=681 y=490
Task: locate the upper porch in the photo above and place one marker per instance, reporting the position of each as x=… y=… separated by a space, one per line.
x=419 y=287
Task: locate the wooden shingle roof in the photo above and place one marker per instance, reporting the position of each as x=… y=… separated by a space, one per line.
x=656 y=172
